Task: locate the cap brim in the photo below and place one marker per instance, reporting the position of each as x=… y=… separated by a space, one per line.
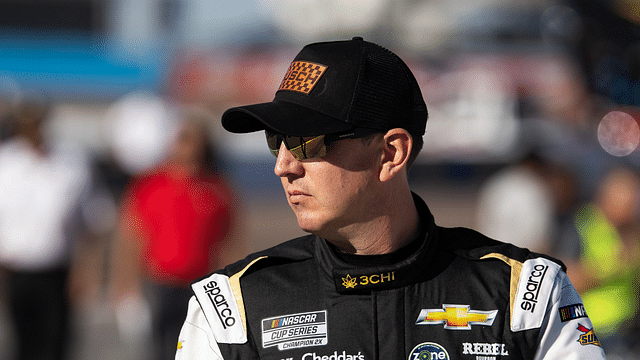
x=283 y=117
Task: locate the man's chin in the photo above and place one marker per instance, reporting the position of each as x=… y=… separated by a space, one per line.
x=308 y=229
x=309 y=225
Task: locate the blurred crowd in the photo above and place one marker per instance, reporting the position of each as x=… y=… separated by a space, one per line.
x=129 y=231
x=575 y=193
x=74 y=230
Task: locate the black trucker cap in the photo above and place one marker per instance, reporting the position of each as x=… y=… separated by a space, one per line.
x=338 y=86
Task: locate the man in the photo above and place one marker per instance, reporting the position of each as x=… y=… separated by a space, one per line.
x=375 y=278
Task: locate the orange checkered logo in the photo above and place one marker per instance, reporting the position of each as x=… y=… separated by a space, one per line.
x=302 y=76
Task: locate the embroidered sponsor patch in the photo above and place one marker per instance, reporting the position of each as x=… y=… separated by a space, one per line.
x=571 y=312
x=485 y=350
x=335 y=356
x=302 y=76
x=220 y=308
x=350 y=281
x=534 y=290
x=295 y=330
x=588 y=336
x=456 y=317
x=429 y=351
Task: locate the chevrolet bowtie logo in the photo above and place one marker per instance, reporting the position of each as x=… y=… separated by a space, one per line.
x=456 y=317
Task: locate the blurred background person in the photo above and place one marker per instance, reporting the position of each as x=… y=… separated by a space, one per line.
x=176 y=225
x=516 y=205
x=603 y=257
x=42 y=188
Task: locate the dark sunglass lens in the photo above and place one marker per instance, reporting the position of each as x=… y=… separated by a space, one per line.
x=300 y=147
x=273 y=140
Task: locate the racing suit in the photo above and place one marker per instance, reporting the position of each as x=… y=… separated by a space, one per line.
x=460 y=295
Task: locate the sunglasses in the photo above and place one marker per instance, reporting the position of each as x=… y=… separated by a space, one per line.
x=309 y=147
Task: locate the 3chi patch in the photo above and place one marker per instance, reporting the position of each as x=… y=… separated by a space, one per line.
x=295 y=330
x=348 y=281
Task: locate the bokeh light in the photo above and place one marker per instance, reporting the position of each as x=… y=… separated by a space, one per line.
x=618 y=133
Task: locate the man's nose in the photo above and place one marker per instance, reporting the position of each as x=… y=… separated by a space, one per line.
x=287 y=164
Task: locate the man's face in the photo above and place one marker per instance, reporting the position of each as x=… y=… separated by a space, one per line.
x=333 y=194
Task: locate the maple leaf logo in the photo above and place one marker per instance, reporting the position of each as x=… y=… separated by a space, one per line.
x=349 y=282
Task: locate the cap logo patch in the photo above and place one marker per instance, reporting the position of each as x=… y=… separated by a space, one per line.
x=302 y=76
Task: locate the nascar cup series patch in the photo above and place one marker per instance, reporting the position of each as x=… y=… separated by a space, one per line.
x=295 y=330
x=537 y=278
x=429 y=351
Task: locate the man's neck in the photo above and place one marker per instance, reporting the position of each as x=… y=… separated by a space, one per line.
x=383 y=234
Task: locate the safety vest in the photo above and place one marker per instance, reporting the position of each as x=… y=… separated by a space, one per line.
x=612 y=302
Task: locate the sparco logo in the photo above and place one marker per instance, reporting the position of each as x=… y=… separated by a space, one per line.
x=334 y=356
x=530 y=297
x=225 y=314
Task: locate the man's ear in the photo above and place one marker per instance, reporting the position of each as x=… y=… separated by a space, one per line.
x=395 y=153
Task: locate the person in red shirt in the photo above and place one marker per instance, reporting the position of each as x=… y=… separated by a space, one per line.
x=174 y=228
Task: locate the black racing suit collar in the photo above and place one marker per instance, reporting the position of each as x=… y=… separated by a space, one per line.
x=352 y=276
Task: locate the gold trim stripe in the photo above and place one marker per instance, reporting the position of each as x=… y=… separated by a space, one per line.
x=516 y=269
x=234 y=281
